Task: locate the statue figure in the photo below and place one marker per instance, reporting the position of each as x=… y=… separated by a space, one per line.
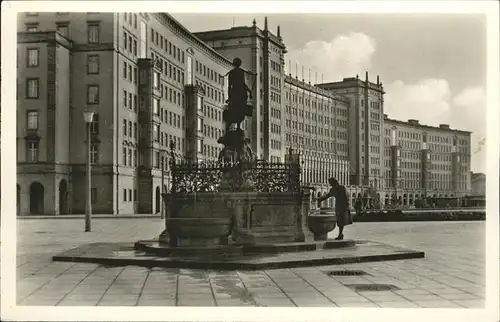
x=236 y=154
x=237 y=100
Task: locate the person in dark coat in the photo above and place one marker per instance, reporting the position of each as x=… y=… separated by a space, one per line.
x=342 y=212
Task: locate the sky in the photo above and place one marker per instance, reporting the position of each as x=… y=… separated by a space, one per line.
x=432 y=66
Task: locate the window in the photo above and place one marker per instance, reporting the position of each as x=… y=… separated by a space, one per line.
x=92 y=64
x=130 y=128
x=124 y=194
x=199 y=125
x=94 y=154
x=32 y=118
x=143 y=53
x=93 y=33
x=32 y=28
x=200 y=104
x=157 y=159
x=124 y=127
x=32 y=151
x=156 y=106
x=200 y=146
x=92 y=94
x=189 y=79
x=156 y=80
x=124 y=153
x=125 y=38
x=125 y=70
x=156 y=133
x=94 y=125
x=32 y=88
x=63 y=30
x=33 y=54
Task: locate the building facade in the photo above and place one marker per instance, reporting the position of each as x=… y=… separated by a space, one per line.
x=150 y=82
x=316 y=127
x=421 y=160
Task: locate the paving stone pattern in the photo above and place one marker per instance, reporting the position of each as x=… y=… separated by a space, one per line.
x=452 y=274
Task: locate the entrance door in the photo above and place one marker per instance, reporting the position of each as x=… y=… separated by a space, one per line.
x=158 y=200
x=63 y=197
x=36 y=198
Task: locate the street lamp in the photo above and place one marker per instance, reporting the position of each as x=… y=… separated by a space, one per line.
x=163 y=192
x=88 y=117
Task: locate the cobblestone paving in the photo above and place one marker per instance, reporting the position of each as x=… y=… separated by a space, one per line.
x=451 y=275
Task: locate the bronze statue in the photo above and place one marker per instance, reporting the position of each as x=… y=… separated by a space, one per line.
x=237 y=100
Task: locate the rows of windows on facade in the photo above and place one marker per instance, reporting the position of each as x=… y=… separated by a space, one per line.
x=315 y=123
x=171 y=91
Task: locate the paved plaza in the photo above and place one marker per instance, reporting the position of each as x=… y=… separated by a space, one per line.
x=451 y=275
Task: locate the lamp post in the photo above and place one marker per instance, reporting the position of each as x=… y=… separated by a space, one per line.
x=162 y=206
x=88 y=117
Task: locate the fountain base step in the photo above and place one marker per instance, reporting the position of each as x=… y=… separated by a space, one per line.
x=233 y=258
x=158 y=248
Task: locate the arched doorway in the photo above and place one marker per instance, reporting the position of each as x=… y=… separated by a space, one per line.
x=63 y=197
x=36 y=198
x=18 y=200
x=158 y=199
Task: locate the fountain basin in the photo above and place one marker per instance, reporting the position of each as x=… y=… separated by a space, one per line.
x=199 y=231
x=249 y=217
x=321 y=223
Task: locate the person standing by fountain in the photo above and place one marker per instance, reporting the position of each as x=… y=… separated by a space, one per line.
x=342 y=212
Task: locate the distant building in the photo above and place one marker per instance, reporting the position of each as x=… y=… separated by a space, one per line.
x=478 y=182
x=151 y=81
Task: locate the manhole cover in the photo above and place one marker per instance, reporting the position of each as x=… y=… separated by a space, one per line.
x=346 y=273
x=372 y=287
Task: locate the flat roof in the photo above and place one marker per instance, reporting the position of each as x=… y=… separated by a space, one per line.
x=389 y=120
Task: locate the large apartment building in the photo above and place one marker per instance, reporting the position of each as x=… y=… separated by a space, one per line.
x=150 y=82
x=420 y=160
x=316 y=127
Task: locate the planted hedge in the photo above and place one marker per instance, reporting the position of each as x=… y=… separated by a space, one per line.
x=399 y=215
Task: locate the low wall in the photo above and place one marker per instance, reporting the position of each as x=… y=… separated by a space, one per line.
x=463 y=214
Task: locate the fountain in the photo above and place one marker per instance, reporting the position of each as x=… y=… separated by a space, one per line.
x=238 y=213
